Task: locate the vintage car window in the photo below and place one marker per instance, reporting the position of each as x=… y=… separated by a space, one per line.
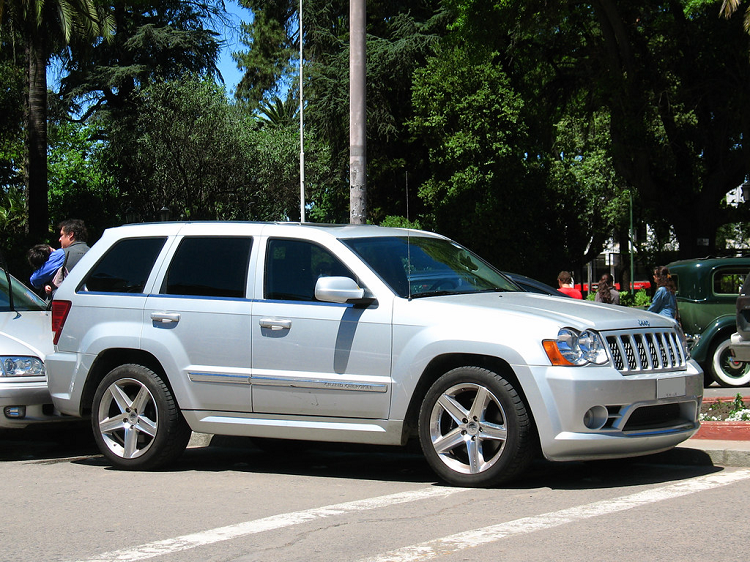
x=418 y=266
x=293 y=267
x=729 y=281
x=209 y=267
x=125 y=267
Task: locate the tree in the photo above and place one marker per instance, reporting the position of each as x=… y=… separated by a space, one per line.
x=46 y=27
x=672 y=76
x=400 y=35
x=156 y=40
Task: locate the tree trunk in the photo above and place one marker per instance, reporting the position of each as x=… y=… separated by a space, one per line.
x=36 y=172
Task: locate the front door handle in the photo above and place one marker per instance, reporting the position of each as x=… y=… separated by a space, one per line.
x=165 y=317
x=274 y=324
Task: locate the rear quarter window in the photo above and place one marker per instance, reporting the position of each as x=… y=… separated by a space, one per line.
x=125 y=267
x=729 y=281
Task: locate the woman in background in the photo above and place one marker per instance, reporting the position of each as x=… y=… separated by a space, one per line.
x=664 y=301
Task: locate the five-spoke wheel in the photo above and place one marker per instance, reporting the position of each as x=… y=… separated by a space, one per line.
x=136 y=421
x=474 y=428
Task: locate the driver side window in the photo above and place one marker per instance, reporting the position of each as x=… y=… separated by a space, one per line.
x=294 y=266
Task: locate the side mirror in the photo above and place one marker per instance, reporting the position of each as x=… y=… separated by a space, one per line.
x=341 y=290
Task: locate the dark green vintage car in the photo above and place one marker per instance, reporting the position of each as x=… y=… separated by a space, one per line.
x=707 y=290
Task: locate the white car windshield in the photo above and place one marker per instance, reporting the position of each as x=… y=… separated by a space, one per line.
x=418 y=266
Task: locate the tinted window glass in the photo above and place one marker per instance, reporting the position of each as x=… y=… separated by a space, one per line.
x=209 y=267
x=125 y=267
x=293 y=267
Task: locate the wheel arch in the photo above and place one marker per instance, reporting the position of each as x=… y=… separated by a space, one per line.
x=440 y=365
x=108 y=360
x=720 y=327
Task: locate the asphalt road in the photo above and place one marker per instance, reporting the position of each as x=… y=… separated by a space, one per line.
x=62 y=502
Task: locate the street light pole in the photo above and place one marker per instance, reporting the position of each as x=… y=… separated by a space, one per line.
x=632 y=245
x=301 y=129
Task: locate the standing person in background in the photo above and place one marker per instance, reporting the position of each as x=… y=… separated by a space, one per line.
x=565 y=280
x=73 y=236
x=664 y=301
x=606 y=291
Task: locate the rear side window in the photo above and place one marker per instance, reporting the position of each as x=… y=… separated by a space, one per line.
x=209 y=267
x=125 y=267
x=729 y=281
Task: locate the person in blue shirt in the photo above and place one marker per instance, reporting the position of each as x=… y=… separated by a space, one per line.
x=46 y=261
x=664 y=301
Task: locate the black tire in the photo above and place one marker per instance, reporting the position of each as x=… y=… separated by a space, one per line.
x=488 y=424
x=724 y=369
x=136 y=421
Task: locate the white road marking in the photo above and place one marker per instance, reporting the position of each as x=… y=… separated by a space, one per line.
x=476 y=537
x=185 y=542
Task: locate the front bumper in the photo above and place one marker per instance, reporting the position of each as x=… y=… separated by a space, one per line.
x=597 y=413
x=739 y=347
x=24 y=403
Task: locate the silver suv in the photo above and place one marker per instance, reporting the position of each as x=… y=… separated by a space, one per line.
x=355 y=334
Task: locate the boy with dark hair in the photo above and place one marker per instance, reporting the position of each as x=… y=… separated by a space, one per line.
x=46 y=261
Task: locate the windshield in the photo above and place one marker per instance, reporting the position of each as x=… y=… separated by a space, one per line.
x=418 y=266
x=23 y=298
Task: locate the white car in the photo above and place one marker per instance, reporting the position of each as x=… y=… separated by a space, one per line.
x=355 y=334
x=25 y=341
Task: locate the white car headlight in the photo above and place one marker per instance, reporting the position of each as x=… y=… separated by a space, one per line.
x=20 y=366
x=577 y=348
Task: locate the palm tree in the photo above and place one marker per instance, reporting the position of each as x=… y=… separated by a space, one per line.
x=729 y=7
x=46 y=26
x=278 y=113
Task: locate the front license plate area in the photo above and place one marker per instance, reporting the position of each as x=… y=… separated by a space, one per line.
x=670 y=388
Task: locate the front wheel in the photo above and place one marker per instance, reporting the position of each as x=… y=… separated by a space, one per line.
x=474 y=428
x=136 y=421
x=725 y=370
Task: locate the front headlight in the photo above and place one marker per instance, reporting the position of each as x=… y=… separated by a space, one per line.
x=19 y=366
x=576 y=348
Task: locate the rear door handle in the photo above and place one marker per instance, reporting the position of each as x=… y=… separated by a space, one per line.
x=274 y=324
x=165 y=317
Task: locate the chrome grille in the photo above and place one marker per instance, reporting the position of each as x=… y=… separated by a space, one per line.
x=646 y=351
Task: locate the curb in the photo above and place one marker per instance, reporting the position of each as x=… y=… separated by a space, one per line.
x=724 y=431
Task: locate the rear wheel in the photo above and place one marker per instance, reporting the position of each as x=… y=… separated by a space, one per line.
x=136 y=421
x=474 y=428
x=725 y=370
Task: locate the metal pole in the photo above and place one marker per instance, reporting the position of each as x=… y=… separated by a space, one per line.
x=301 y=129
x=357 y=114
x=632 y=245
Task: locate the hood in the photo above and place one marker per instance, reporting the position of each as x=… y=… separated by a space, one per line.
x=564 y=312
x=26 y=333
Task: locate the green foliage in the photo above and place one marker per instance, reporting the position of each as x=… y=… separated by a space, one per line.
x=155 y=40
x=639 y=299
x=401 y=222
x=184 y=148
x=471 y=120
x=79 y=187
x=189 y=149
